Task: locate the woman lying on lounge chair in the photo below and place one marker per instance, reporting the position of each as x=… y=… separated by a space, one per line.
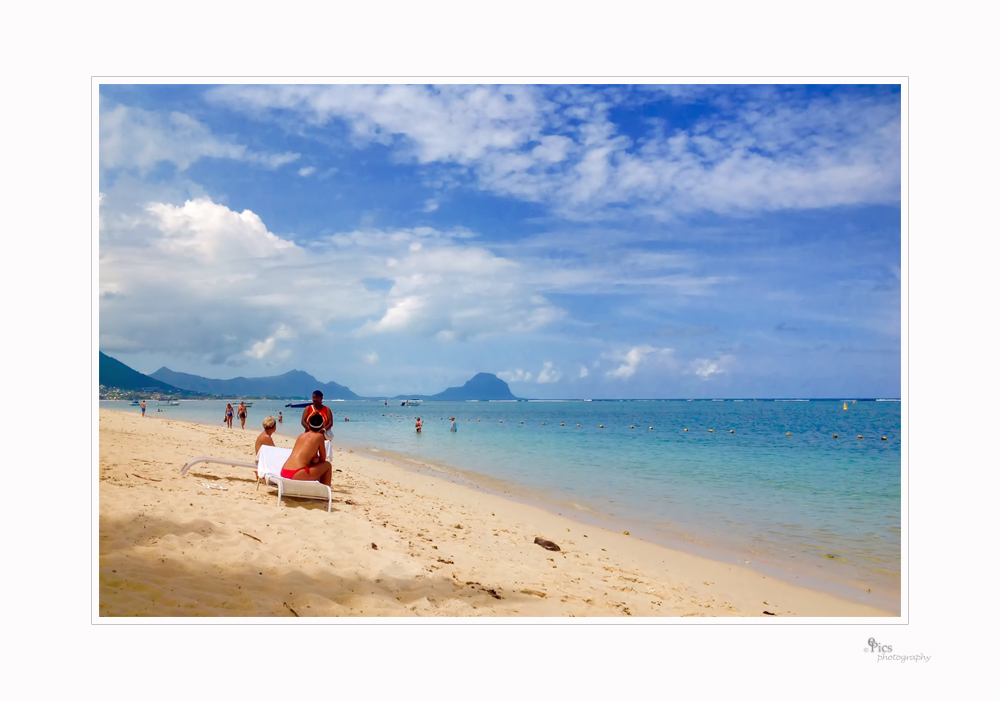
x=308 y=459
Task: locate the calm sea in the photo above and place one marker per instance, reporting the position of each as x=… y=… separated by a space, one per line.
x=812 y=509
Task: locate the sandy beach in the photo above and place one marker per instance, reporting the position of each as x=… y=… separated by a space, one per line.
x=398 y=543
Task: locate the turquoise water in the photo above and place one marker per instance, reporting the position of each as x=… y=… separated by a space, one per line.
x=810 y=508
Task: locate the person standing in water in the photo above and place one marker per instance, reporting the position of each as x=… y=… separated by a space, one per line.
x=242 y=413
x=453 y=426
x=419 y=425
x=317 y=407
x=279 y=417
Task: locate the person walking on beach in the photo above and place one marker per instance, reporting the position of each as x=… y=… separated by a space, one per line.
x=265 y=437
x=143 y=407
x=242 y=413
x=308 y=460
x=317 y=408
x=420 y=425
x=453 y=426
x=228 y=418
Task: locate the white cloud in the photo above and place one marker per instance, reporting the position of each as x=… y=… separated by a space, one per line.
x=131 y=137
x=583 y=371
x=265 y=348
x=371 y=358
x=202 y=279
x=431 y=205
x=307 y=171
x=548 y=374
x=401 y=316
x=706 y=368
x=766 y=150
x=458 y=123
x=634 y=357
x=518 y=375
x=205 y=229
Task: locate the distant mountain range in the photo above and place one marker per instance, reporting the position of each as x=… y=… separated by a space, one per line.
x=116 y=374
x=294 y=384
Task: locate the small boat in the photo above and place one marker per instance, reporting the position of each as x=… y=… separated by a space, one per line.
x=135 y=403
x=169 y=403
x=298 y=405
x=410 y=402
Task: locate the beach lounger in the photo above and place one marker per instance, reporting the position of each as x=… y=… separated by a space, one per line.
x=270 y=460
x=220 y=461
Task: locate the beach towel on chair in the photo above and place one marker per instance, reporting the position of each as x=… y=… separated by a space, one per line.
x=270 y=460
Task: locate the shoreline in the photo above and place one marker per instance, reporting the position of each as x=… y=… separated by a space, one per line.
x=177 y=546
x=845 y=589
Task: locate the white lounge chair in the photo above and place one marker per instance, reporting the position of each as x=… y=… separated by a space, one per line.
x=270 y=460
x=221 y=461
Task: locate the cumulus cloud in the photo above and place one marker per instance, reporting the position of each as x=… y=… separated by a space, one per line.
x=584 y=371
x=707 y=368
x=431 y=205
x=208 y=230
x=199 y=278
x=631 y=360
x=450 y=290
x=548 y=373
x=517 y=375
x=265 y=348
x=765 y=150
x=307 y=171
x=371 y=358
x=131 y=137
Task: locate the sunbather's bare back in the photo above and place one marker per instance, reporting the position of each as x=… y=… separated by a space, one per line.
x=309 y=450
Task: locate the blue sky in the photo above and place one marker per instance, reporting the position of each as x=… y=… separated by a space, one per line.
x=578 y=241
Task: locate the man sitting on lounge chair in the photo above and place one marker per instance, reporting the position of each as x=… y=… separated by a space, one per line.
x=308 y=459
x=270 y=426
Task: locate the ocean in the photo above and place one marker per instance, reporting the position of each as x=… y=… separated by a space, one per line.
x=809 y=508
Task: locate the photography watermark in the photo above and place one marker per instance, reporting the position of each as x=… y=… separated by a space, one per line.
x=885 y=654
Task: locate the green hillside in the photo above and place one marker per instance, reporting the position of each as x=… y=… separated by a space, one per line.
x=117 y=375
